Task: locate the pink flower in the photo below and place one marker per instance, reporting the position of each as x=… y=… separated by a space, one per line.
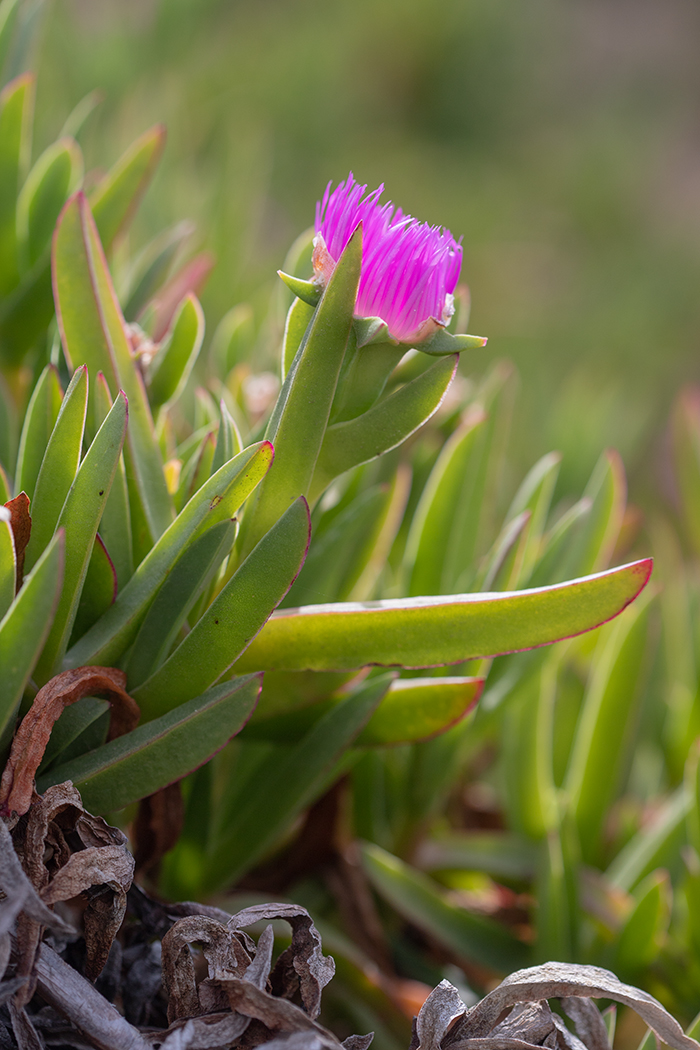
x=409 y=269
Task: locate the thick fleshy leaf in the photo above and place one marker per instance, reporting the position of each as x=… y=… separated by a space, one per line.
x=99 y=590
x=292 y=778
x=234 y=617
x=16 y=110
x=177 y=354
x=601 y=745
x=196 y=472
x=188 y=578
x=59 y=465
x=365 y=373
x=300 y=418
x=115 y=525
x=55 y=175
x=93 y=332
x=80 y=518
x=228 y=439
x=416 y=897
x=116 y=197
x=25 y=627
x=219 y=498
x=71 y=728
x=640 y=938
x=40 y=418
x=534 y=497
x=139 y=763
x=428 y=632
x=9 y=10
x=383 y=427
x=298 y=319
x=595 y=540
x=413 y=709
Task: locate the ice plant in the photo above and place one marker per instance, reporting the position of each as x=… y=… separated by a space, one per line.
x=409 y=268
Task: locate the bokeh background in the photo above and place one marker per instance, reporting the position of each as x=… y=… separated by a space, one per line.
x=560 y=139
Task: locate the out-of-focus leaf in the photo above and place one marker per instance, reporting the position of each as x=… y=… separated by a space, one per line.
x=426 y=632
x=386 y=425
x=40 y=418
x=638 y=941
x=300 y=417
x=291 y=779
x=75 y=120
x=115 y=525
x=59 y=465
x=535 y=496
x=190 y=575
x=187 y=281
x=93 y=331
x=417 y=898
x=656 y=845
x=80 y=517
x=173 y=363
x=556 y=542
x=25 y=627
x=557 y=926
x=141 y=762
x=160 y=256
x=234 y=617
x=366 y=370
x=9 y=9
x=233 y=339
x=228 y=440
x=219 y=498
x=685 y=431
x=8 y=563
x=603 y=732
x=99 y=590
x=501 y=854
x=8 y=428
x=16 y=111
x=503 y=565
x=55 y=175
x=116 y=197
x=595 y=541
x=196 y=471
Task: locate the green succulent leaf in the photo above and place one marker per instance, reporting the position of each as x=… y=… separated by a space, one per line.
x=16 y=111
x=152 y=756
x=69 y=730
x=657 y=845
x=188 y=578
x=116 y=197
x=431 y=631
x=39 y=421
x=219 y=498
x=59 y=465
x=8 y=563
x=386 y=425
x=474 y=937
x=25 y=627
x=234 y=617
x=9 y=10
x=228 y=440
x=53 y=178
x=308 y=292
x=115 y=526
x=93 y=331
x=292 y=778
x=298 y=319
x=80 y=518
x=640 y=938
x=300 y=418
x=99 y=590
x=177 y=354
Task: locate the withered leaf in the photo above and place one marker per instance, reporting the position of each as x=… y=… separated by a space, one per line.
x=358 y=1042
x=588 y=1021
x=276 y=1013
x=566 y=1039
x=302 y=968
x=219 y=949
x=437 y=1013
x=21 y=525
x=202 y=1033
x=157 y=826
x=532 y=1022
x=25 y=1032
x=34 y=731
x=564 y=980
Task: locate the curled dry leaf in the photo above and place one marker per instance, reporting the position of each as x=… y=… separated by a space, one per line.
x=157 y=827
x=302 y=969
x=21 y=525
x=31 y=738
x=223 y=952
x=440 y=1009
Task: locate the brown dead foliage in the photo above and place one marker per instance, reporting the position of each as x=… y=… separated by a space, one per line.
x=21 y=525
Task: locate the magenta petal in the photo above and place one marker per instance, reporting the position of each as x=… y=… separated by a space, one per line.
x=409 y=269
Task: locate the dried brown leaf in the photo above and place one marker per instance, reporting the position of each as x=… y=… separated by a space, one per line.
x=532 y=1022
x=212 y=1032
x=564 y=980
x=302 y=969
x=157 y=826
x=219 y=949
x=440 y=1009
x=357 y=1042
x=25 y=1032
x=21 y=525
x=33 y=734
x=588 y=1021
x=275 y=1013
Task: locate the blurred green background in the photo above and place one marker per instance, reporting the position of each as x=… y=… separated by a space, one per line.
x=560 y=139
